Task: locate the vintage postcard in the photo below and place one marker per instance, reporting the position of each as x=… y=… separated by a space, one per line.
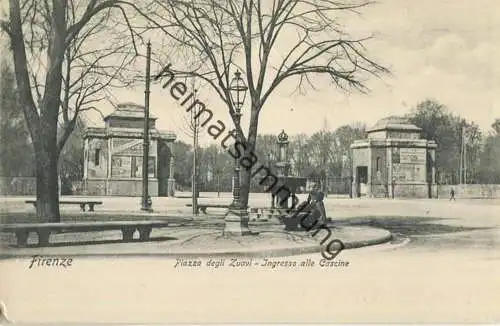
x=249 y=161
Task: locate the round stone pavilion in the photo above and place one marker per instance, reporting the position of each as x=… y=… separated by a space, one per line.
x=394 y=162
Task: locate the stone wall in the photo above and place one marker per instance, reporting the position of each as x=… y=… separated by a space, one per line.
x=473 y=191
x=470 y=191
x=407 y=190
x=360 y=158
x=17 y=186
x=411 y=191
x=96 y=158
x=132 y=188
x=380 y=190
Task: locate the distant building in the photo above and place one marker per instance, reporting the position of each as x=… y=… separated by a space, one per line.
x=113 y=156
x=394 y=161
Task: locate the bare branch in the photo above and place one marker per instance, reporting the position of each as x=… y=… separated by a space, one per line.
x=216 y=32
x=4 y=26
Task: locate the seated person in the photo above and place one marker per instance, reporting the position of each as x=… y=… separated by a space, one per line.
x=282 y=200
x=315 y=199
x=295 y=201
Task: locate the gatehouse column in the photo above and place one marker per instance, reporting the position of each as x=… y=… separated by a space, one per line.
x=354 y=190
x=433 y=173
x=389 y=169
x=433 y=156
x=171 y=178
x=369 y=176
x=107 y=188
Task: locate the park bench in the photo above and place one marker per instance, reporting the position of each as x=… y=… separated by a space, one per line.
x=128 y=228
x=82 y=203
x=203 y=207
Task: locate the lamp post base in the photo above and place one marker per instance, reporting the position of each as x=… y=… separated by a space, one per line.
x=236 y=223
x=147 y=206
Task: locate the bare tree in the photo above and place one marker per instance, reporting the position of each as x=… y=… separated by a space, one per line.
x=496 y=126
x=271 y=41
x=66 y=52
x=323 y=150
x=192 y=126
x=300 y=155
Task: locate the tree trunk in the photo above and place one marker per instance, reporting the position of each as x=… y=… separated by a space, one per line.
x=47 y=185
x=246 y=175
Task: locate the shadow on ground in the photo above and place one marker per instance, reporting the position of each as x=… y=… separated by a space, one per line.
x=423 y=230
x=18 y=217
x=408 y=225
x=90 y=242
x=430 y=232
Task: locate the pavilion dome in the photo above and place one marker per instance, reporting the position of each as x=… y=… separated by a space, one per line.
x=129 y=110
x=394 y=123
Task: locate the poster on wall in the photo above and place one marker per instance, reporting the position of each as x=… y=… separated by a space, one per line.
x=408 y=172
x=132 y=147
x=412 y=156
x=121 y=166
x=125 y=145
x=137 y=167
x=151 y=167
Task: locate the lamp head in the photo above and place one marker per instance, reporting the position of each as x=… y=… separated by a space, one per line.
x=238 y=90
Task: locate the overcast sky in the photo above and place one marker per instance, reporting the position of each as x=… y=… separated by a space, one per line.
x=440 y=49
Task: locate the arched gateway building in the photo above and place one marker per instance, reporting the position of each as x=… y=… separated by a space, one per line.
x=113 y=155
x=394 y=161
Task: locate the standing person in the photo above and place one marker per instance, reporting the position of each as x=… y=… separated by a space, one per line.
x=321 y=207
x=452 y=194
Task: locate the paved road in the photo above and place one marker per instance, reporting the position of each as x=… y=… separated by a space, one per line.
x=429 y=224
x=444 y=266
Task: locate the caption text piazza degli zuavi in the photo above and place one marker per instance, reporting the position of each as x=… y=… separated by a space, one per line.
x=216 y=128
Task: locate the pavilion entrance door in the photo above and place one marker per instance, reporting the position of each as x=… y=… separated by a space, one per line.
x=361 y=180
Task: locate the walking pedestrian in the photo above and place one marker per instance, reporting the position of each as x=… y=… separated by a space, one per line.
x=452 y=194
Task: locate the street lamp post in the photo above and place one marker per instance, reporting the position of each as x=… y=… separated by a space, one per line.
x=194 y=176
x=269 y=166
x=283 y=165
x=236 y=219
x=146 y=200
x=393 y=185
